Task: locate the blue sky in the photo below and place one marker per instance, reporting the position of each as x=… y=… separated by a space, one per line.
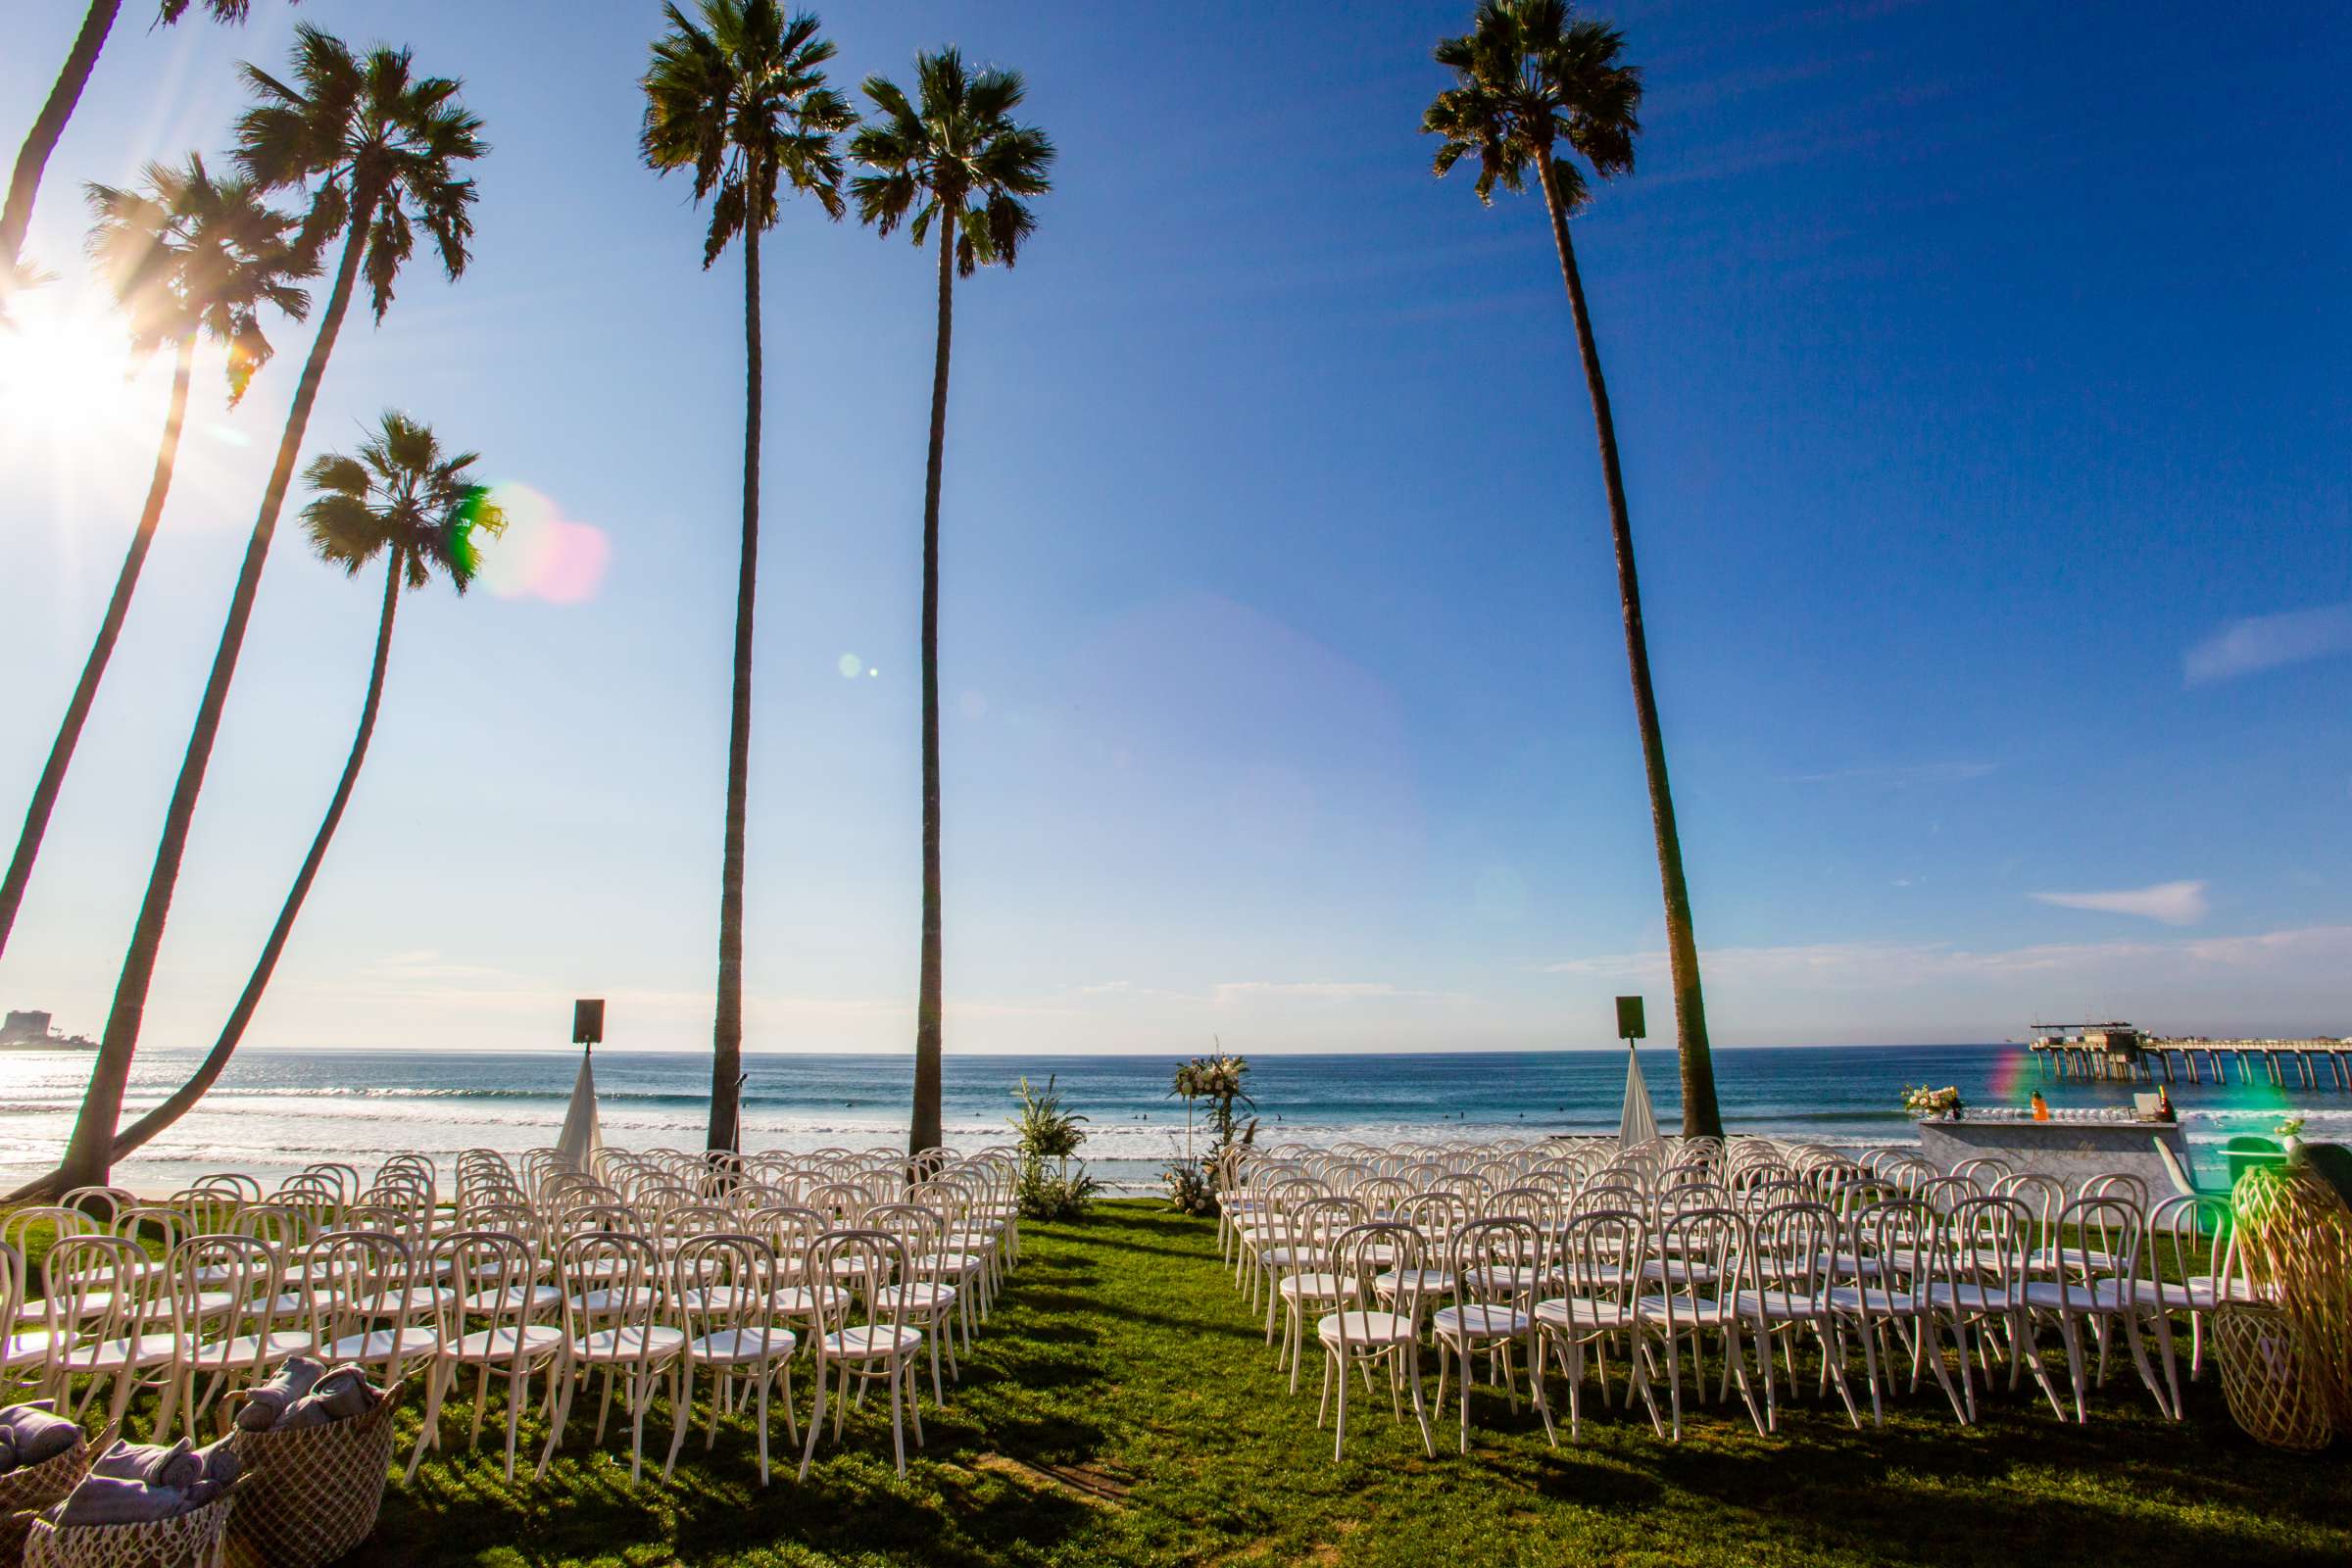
x=1979 y=371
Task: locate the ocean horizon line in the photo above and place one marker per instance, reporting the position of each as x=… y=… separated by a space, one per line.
x=1446 y=1051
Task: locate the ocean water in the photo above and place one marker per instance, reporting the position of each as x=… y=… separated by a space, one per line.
x=274 y=1112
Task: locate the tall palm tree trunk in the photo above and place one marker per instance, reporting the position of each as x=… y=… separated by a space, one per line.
x=25 y=182
x=727 y=1030
x=928 y=1009
x=93 y=670
x=90 y=1151
x=1700 y=1115
x=208 y=1072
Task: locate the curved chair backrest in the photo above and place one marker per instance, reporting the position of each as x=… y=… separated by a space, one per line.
x=2095 y=1236
x=2117 y=1184
x=2042 y=1196
x=97 y=1289
x=873 y=1257
x=229 y=1286
x=1791 y=1250
x=611 y=1280
x=1493 y=1259
x=726 y=1283
x=1894 y=1245
x=2187 y=1237
x=1985 y=1241
x=349 y=1272
x=1601 y=1252
x=1984 y=1170
x=1383 y=1266
x=489 y=1274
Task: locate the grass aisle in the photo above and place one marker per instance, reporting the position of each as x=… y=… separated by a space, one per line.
x=1122 y=1407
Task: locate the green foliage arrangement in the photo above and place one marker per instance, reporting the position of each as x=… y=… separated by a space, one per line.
x=1050 y=1131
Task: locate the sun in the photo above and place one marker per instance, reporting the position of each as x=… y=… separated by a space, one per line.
x=66 y=377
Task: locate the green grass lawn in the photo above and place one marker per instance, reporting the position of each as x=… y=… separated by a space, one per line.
x=1122 y=1407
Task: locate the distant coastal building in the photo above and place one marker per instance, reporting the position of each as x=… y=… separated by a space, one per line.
x=29 y=1029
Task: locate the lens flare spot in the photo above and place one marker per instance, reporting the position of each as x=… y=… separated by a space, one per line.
x=542 y=555
x=849 y=665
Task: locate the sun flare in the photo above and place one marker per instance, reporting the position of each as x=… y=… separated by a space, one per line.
x=65 y=371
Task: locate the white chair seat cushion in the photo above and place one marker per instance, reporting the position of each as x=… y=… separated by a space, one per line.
x=917 y=1298
x=1971 y=1297
x=606 y=1299
x=1429 y=1281
x=1687 y=1312
x=1367 y=1330
x=739 y=1346
x=501 y=1344
x=2203 y=1295
x=1316 y=1287
x=1778 y=1307
x=1581 y=1315
x=871 y=1342
x=248 y=1349
x=508 y=1298
x=144 y=1351
x=381 y=1345
x=1477 y=1321
x=624 y=1345
x=414 y=1299
x=1876 y=1300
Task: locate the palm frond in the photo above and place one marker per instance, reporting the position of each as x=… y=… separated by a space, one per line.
x=953 y=154
x=738 y=97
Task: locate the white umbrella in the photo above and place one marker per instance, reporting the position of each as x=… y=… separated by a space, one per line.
x=1638 y=1125
x=582 y=1136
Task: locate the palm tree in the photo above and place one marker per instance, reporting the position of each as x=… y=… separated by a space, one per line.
x=25 y=181
x=379 y=149
x=741 y=100
x=405 y=500
x=957 y=162
x=189 y=259
x=1533 y=83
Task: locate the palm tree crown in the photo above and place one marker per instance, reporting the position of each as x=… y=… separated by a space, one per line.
x=958 y=158
x=404 y=494
x=1531 y=75
x=191 y=254
x=379 y=148
x=741 y=100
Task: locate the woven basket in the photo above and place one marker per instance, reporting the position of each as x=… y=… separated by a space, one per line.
x=2296 y=1234
x=25 y=1493
x=2266 y=1376
x=307 y=1497
x=191 y=1541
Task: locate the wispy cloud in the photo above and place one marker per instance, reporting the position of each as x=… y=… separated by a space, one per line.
x=1901 y=776
x=2172 y=902
x=2266 y=642
x=1899 y=964
x=1229 y=991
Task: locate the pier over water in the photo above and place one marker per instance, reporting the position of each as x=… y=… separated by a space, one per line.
x=2117 y=1052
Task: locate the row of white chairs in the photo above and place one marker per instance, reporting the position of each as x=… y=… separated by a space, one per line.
x=1654 y=1255
x=534 y=1273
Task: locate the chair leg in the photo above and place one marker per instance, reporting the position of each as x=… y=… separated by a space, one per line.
x=429 y=1433
x=681 y=1411
x=762 y=1426
x=816 y=1419
x=1339 y=1374
x=897 y=1432
x=1412 y=1353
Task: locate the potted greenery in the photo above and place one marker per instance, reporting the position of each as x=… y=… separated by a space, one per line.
x=1050 y=1130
